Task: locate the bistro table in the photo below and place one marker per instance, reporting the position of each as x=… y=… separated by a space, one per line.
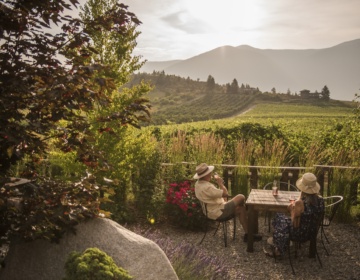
x=259 y=200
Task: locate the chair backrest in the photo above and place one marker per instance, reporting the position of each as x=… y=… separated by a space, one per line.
x=205 y=211
x=203 y=207
x=332 y=204
x=316 y=222
x=282 y=186
x=311 y=230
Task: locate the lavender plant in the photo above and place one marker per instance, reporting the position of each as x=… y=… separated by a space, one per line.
x=190 y=262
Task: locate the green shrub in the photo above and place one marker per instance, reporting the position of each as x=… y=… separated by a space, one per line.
x=44 y=208
x=93 y=264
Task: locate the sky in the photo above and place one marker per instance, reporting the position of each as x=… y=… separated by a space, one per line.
x=181 y=29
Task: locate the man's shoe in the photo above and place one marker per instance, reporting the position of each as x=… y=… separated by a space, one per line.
x=257 y=237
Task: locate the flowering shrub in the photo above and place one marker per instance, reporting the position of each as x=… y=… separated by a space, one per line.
x=184 y=208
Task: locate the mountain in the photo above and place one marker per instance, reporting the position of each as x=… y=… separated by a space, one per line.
x=337 y=67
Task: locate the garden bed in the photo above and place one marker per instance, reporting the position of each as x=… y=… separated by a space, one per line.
x=343 y=262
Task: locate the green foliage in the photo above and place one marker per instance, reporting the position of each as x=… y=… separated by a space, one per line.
x=210 y=83
x=134 y=163
x=325 y=93
x=243 y=157
x=38 y=90
x=179 y=100
x=206 y=148
x=128 y=152
x=233 y=88
x=114 y=49
x=345 y=183
x=60 y=93
x=147 y=177
x=93 y=264
x=61 y=165
x=45 y=209
x=272 y=153
x=357 y=107
x=269 y=135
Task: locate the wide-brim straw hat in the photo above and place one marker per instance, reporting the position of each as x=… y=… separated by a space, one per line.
x=308 y=184
x=202 y=170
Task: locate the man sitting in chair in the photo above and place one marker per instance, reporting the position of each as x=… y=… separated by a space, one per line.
x=218 y=207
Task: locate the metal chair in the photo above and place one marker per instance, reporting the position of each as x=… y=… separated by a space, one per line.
x=332 y=204
x=282 y=186
x=223 y=222
x=314 y=227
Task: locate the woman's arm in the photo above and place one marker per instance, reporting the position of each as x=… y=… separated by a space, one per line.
x=296 y=209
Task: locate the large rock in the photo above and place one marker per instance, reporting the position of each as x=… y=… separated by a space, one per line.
x=41 y=260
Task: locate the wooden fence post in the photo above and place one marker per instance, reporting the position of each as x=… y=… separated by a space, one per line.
x=253 y=178
x=321 y=180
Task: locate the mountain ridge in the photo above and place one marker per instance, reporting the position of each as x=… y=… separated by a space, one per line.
x=337 y=67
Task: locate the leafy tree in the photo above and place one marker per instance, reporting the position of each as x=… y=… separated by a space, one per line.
x=50 y=89
x=325 y=94
x=114 y=49
x=234 y=86
x=116 y=52
x=38 y=89
x=228 y=88
x=357 y=108
x=210 y=83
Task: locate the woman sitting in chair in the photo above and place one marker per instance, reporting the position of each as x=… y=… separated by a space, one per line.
x=302 y=211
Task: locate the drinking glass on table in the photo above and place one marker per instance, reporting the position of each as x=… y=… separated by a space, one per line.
x=274 y=188
x=292 y=199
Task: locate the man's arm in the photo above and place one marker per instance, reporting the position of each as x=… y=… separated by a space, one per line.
x=222 y=187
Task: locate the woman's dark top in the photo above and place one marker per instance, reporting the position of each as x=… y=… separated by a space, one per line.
x=308 y=226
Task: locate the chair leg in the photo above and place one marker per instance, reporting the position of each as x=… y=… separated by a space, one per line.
x=323 y=243
x=206 y=230
x=322 y=233
x=234 y=228
x=291 y=264
x=217 y=228
x=203 y=238
x=269 y=220
x=296 y=246
x=225 y=232
x=318 y=257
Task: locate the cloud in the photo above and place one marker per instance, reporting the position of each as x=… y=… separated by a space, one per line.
x=180 y=29
x=184 y=21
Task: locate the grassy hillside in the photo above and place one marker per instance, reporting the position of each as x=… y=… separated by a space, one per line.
x=178 y=100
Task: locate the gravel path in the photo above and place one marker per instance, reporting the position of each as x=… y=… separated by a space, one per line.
x=343 y=262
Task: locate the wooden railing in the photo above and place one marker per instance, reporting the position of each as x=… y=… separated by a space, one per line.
x=288 y=174
x=291 y=175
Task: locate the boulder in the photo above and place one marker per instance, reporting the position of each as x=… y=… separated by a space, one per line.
x=42 y=260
